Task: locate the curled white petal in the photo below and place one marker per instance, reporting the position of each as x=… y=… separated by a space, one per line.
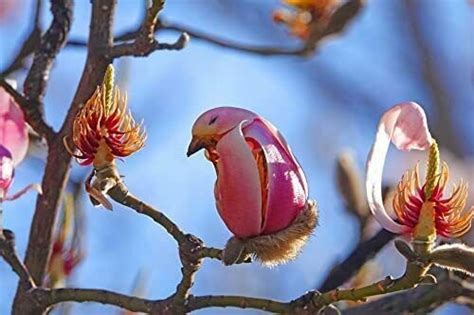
x=405 y=126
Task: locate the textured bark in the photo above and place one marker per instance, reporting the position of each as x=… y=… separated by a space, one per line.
x=58 y=162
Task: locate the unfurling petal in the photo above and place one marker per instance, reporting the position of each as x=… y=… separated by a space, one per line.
x=286 y=191
x=13 y=128
x=405 y=126
x=238 y=196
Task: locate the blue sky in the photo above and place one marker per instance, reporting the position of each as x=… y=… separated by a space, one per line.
x=323 y=105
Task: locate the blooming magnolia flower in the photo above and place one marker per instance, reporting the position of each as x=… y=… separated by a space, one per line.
x=104 y=129
x=421 y=208
x=13 y=144
x=260 y=188
x=305 y=12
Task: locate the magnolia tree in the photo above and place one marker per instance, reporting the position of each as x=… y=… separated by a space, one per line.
x=261 y=192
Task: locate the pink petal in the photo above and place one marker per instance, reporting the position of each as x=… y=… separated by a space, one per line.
x=238 y=191
x=6 y=171
x=13 y=128
x=287 y=192
x=405 y=125
x=286 y=148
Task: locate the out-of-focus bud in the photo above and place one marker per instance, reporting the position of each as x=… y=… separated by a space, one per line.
x=350 y=185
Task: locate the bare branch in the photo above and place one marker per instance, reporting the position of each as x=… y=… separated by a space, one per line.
x=200 y=302
x=121 y=195
x=47 y=298
x=339 y=21
x=138 y=49
x=229 y=44
x=51 y=43
x=422 y=300
x=30 y=109
x=29 y=45
x=190 y=261
x=364 y=251
x=145 y=42
x=8 y=252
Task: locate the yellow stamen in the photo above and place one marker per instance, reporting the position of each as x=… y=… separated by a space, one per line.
x=109 y=87
x=433 y=172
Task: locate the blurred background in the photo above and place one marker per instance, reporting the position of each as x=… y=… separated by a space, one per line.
x=324 y=104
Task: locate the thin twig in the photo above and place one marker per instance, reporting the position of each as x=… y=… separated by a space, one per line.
x=421 y=300
x=242 y=302
x=138 y=50
x=51 y=43
x=364 y=251
x=232 y=45
x=339 y=21
x=28 y=46
x=50 y=297
x=30 y=109
x=145 y=42
x=8 y=252
x=121 y=195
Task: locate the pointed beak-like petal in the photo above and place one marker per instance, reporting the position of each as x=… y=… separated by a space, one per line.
x=195 y=145
x=405 y=126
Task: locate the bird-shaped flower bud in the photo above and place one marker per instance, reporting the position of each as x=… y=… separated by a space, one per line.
x=421 y=209
x=104 y=129
x=261 y=190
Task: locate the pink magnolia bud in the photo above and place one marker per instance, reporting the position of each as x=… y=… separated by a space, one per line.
x=260 y=188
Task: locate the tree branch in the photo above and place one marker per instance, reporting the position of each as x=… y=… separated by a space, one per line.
x=140 y=49
x=121 y=195
x=422 y=300
x=200 y=302
x=145 y=42
x=30 y=109
x=339 y=21
x=364 y=251
x=51 y=43
x=47 y=298
x=29 y=45
x=58 y=161
x=9 y=254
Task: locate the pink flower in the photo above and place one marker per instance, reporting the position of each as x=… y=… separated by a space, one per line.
x=13 y=128
x=260 y=187
x=13 y=144
x=405 y=126
x=422 y=209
